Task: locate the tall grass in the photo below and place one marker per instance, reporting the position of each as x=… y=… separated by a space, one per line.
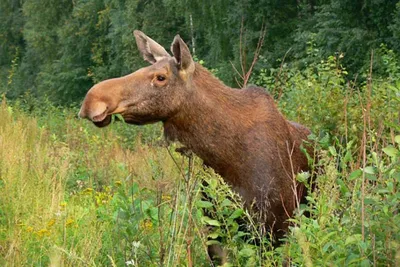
x=76 y=195
x=38 y=226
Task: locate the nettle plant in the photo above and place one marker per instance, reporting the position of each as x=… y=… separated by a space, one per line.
x=222 y=213
x=354 y=210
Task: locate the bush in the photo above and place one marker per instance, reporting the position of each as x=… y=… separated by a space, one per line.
x=77 y=195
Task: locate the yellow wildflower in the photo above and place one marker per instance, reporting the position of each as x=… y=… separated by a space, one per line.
x=29 y=229
x=69 y=222
x=43 y=232
x=51 y=223
x=147 y=225
x=102 y=198
x=166 y=198
x=63 y=205
x=88 y=191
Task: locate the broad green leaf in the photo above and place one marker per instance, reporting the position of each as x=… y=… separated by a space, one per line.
x=390 y=151
x=397 y=139
x=210 y=221
x=134 y=189
x=153 y=212
x=355 y=174
x=343 y=186
x=213 y=184
x=369 y=170
x=226 y=203
x=203 y=204
x=347 y=157
x=332 y=150
x=246 y=252
x=240 y=234
x=369 y=201
x=236 y=214
x=213 y=235
x=352 y=239
x=365 y=263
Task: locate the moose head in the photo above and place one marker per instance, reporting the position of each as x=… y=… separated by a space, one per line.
x=151 y=94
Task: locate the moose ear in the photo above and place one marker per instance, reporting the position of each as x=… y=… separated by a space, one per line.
x=150 y=49
x=182 y=55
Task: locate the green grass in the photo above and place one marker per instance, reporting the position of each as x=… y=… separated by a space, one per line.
x=76 y=195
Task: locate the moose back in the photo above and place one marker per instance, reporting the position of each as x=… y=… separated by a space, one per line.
x=239 y=133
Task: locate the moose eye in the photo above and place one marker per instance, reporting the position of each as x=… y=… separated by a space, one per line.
x=160 y=78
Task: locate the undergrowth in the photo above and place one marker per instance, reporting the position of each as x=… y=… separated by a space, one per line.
x=75 y=195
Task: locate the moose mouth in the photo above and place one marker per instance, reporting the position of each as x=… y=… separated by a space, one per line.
x=103 y=119
x=106 y=120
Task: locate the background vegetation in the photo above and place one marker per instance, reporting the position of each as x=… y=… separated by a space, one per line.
x=75 y=195
x=59 y=49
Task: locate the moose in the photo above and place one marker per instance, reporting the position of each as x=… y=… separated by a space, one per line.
x=238 y=132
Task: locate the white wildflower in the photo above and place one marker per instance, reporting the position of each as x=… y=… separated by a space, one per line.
x=131 y=262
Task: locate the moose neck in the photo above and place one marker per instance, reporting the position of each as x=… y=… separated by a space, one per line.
x=207 y=122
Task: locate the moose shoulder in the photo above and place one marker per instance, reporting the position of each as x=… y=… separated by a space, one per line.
x=239 y=133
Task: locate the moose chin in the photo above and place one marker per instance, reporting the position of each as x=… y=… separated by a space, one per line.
x=239 y=133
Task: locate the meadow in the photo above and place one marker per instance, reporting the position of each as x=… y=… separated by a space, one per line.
x=76 y=195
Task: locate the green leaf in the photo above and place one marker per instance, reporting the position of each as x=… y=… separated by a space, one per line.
x=153 y=212
x=246 y=252
x=119 y=117
x=365 y=263
x=369 y=170
x=134 y=189
x=212 y=242
x=352 y=239
x=302 y=177
x=123 y=215
x=397 y=139
x=369 y=201
x=209 y=221
x=226 y=203
x=240 y=234
x=332 y=150
x=343 y=186
x=347 y=157
x=390 y=151
x=324 y=142
x=371 y=177
x=355 y=174
x=213 y=235
x=146 y=205
x=203 y=204
x=213 y=184
x=236 y=214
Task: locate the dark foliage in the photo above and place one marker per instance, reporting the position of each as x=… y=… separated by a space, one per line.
x=58 y=49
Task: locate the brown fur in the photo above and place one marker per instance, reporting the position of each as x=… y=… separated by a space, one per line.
x=243 y=137
x=239 y=133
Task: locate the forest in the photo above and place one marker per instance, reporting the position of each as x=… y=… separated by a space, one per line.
x=57 y=50
x=76 y=195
